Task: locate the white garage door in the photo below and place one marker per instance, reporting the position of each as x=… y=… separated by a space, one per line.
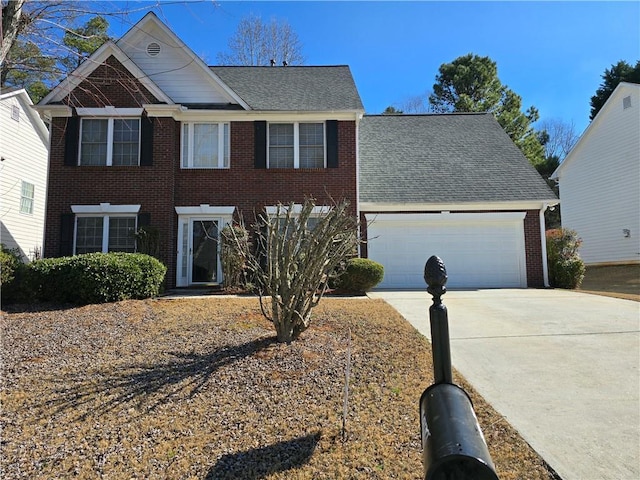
x=479 y=250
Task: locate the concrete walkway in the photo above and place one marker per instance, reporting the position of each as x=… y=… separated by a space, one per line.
x=562 y=367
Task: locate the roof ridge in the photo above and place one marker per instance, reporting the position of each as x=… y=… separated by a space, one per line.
x=276 y=66
x=427 y=114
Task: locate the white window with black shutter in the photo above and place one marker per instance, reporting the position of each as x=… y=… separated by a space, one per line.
x=109 y=136
x=296 y=145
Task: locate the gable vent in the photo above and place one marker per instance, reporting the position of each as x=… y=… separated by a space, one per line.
x=153 y=49
x=626 y=102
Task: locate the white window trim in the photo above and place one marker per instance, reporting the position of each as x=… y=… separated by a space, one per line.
x=205 y=209
x=105 y=227
x=32 y=199
x=109 y=112
x=105 y=208
x=110 y=121
x=221 y=143
x=296 y=143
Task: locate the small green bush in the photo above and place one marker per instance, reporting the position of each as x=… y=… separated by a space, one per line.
x=566 y=268
x=361 y=275
x=96 y=277
x=13 y=271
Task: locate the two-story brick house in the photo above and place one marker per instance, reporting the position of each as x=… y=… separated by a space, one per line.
x=144 y=133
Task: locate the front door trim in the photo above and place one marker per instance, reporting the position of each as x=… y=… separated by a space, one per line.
x=186 y=216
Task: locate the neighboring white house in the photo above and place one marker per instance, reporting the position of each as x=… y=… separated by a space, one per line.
x=24 y=152
x=599 y=182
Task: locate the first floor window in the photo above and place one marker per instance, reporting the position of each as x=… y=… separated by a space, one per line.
x=296 y=145
x=110 y=141
x=205 y=145
x=105 y=234
x=26 y=197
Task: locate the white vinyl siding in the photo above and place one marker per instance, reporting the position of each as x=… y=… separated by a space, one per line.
x=205 y=145
x=296 y=145
x=173 y=70
x=110 y=141
x=600 y=183
x=24 y=147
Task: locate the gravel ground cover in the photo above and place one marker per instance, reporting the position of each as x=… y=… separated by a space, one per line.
x=198 y=389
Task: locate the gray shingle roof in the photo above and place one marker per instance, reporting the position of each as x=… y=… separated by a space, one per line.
x=443 y=158
x=293 y=88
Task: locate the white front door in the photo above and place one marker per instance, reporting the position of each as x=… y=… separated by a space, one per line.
x=198 y=261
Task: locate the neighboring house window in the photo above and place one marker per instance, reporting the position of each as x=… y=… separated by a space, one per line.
x=15 y=112
x=106 y=233
x=26 y=197
x=205 y=145
x=110 y=141
x=296 y=145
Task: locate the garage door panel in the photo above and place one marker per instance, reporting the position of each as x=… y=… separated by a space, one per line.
x=476 y=254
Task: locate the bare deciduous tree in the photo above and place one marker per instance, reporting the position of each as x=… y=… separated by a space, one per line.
x=298 y=249
x=42 y=40
x=256 y=43
x=560 y=139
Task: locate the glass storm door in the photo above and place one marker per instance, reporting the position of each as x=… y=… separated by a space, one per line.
x=204 y=251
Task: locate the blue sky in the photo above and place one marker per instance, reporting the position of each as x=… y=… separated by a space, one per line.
x=552 y=54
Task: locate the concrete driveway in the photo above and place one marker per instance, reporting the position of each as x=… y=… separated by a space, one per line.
x=560 y=366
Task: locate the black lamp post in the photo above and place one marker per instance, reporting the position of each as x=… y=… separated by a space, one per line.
x=453 y=447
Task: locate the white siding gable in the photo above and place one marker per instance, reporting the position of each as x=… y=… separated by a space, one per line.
x=24 y=152
x=600 y=182
x=175 y=68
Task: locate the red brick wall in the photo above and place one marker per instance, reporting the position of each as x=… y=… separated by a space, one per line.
x=533 y=249
x=164 y=185
x=110 y=84
x=250 y=189
x=150 y=187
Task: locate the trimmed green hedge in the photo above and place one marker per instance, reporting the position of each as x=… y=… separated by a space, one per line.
x=361 y=275
x=95 y=278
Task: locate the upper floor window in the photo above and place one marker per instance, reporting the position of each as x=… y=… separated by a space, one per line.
x=26 y=197
x=110 y=141
x=205 y=145
x=296 y=145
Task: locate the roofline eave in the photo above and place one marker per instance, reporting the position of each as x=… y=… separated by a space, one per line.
x=456 y=206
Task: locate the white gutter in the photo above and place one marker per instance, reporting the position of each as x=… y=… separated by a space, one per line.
x=358 y=119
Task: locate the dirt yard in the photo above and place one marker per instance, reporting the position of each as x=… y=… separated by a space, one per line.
x=198 y=389
x=621 y=281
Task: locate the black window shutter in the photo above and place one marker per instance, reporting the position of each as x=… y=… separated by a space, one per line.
x=332 y=143
x=72 y=141
x=67 y=224
x=146 y=140
x=260 y=144
x=144 y=220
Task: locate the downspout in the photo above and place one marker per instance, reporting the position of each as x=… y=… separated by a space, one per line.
x=358 y=118
x=543 y=245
